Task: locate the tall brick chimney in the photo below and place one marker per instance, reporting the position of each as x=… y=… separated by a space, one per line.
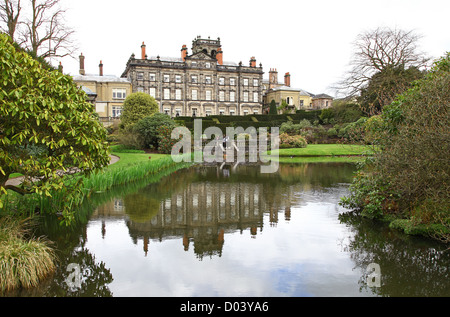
x=82 y=71
x=143 y=54
x=183 y=53
x=252 y=62
x=287 y=79
x=100 y=66
x=219 y=56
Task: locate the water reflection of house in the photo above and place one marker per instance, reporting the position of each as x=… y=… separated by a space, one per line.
x=209 y=205
x=202 y=213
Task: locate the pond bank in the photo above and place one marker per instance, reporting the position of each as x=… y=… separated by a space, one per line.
x=38 y=260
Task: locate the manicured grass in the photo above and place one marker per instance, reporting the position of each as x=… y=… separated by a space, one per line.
x=324 y=150
x=318 y=159
x=127 y=159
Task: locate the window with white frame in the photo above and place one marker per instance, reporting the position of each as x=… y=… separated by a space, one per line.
x=166 y=78
x=232 y=111
x=208 y=112
x=153 y=92
x=208 y=65
x=166 y=93
x=140 y=89
x=232 y=96
x=221 y=95
x=222 y=81
x=116 y=111
x=255 y=111
x=178 y=94
x=232 y=81
x=208 y=80
x=245 y=81
x=178 y=78
x=167 y=111
x=255 y=97
x=208 y=95
x=140 y=76
x=119 y=93
x=194 y=79
x=177 y=112
x=152 y=77
x=255 y=82
x=221 y=112
x=194 y=94
x=245 y=96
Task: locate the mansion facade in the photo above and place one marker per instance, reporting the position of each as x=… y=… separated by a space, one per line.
x=198 y=84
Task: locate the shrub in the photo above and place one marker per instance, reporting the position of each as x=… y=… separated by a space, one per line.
x=165 y=141
x=305 y=123
x=332 y=132
x=292 y=141
x=413 y=138
x=136 y=106
x=147 y=128
x=290 y=128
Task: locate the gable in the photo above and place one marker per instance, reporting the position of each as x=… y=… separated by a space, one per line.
x=201 y=56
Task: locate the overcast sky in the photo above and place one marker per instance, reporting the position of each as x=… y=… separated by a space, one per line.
x=312 y=40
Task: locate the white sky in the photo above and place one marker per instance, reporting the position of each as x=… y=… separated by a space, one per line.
x=309 y=39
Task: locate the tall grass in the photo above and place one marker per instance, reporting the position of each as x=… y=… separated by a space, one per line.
x=24 y=261
x=72 y=196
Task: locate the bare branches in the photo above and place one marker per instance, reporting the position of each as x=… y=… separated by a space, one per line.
x=42 y=28
x=377 y=50
x=9 y=14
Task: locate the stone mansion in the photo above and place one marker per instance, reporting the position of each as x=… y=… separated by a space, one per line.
x=197 y=83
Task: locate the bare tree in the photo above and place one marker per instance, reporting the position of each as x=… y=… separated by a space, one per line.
x=377 y=50
x=45 y=34
x=9 y=15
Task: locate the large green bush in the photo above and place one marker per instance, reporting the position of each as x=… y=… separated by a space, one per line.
x=137 y=106
x=147 y=129
x=411 y=168
x=46 y=125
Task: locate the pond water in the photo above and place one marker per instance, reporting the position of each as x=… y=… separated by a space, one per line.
x=224 y=231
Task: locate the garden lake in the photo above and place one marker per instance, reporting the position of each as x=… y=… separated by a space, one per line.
x=224 y=230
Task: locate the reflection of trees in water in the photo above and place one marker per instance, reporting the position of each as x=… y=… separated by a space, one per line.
x=410 y=266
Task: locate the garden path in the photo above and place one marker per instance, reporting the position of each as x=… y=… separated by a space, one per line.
x=18 y=180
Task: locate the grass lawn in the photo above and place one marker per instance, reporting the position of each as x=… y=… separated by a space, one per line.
x=127 y=159
x=324 y=150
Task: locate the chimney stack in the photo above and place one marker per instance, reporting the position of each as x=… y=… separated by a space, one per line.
x=101 y=68
x=273 y=78
x=183 y=53
x=82 y=71
x=252 y=62
x=287 y=79
x=219 y=56
x=143 y=54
